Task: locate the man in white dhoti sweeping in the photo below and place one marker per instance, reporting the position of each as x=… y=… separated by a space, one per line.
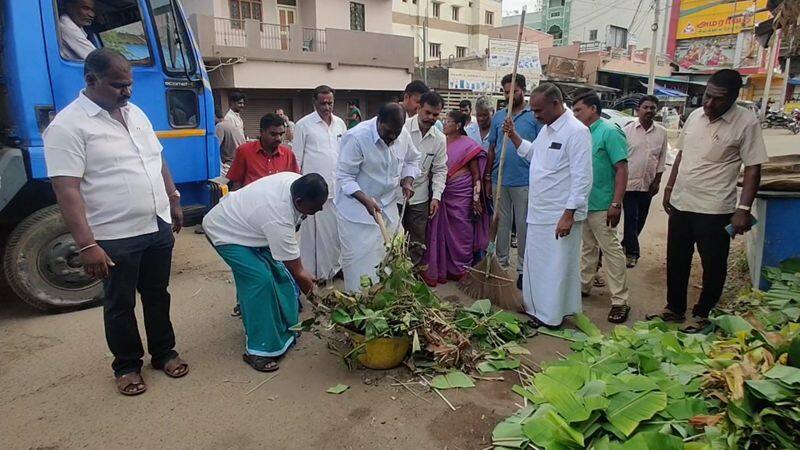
x=560 y=182
x=316 y=146
x=375 y=157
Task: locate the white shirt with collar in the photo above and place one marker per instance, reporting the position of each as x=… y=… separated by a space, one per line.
x=236 y=119
x=261 y=214
x=316 y=146
x=367 y=164
x=75 y=43
x=119 y=168
x=560 y=170
x=433 y=166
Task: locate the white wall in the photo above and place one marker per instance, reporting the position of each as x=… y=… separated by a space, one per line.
x=303 y=76
x=599 y=14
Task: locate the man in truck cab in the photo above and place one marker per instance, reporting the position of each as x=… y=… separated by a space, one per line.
x=121 y=206
x=75 y=16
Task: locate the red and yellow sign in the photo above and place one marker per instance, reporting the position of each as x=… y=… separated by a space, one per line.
x=702 y=18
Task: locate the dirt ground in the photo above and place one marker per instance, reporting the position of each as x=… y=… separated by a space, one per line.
x=57 y=389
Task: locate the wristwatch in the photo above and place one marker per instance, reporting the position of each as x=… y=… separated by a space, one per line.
x=616 y=205
x=743 y=208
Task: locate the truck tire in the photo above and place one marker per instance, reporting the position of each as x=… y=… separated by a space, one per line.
x=42 y=267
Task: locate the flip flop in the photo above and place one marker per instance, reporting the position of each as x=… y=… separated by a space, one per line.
x=666 y=316
x=130 y=384
x=174 y=368
x=619 y=313
x=698 y=325
x=534 y=322
x=261 y=363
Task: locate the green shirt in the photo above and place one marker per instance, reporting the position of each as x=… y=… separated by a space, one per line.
x=350 y=122
x=609 y=147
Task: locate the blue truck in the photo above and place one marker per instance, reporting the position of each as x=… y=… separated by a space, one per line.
x=40 y=263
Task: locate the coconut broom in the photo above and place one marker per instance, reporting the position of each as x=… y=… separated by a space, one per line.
x=488 y=279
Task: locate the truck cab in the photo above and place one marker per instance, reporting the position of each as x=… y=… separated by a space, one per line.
x=39 y=77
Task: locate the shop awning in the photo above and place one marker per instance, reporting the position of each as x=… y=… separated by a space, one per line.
x=596 y=87
x=665 y=92
x=664 y=79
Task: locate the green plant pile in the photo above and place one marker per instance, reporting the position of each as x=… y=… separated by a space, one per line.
x=654 y=387
x=444 y=335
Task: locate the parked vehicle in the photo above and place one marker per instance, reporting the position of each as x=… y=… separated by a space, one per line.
x=40 y=262
x=777 y=120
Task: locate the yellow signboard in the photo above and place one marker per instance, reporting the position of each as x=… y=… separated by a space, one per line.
x=701 y=18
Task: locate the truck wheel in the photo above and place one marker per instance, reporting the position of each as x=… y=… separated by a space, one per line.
x=42 y=266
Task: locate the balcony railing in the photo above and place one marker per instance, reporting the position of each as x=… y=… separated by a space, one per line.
x=229 y=33
x=275 y=37
x=314 y=40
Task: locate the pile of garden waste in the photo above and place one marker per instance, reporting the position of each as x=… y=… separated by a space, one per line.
x=654 y=387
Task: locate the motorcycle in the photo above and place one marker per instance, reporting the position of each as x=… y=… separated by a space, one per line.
x=794 y=125
x=777 y=120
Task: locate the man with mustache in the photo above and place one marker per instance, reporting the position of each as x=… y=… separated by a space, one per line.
x=77 y=14
x=121 y=206
x=647 y=151
x=429 y=185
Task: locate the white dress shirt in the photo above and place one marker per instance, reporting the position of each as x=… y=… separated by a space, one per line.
x=647 y=153
x=316 y=146
x=560 y=171
x=367 y=164
x=236 y=119
x=433 y=165
x=120 y=169
x=75 y=43
x=260 y=214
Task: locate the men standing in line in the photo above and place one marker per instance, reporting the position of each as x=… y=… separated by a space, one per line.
x=118 y=200
x=560 y=181
x=230 y=138
x=429 y=185
x=76 y=15
x=254 y=231
x=316 y=146
x=411 y=96
x=610 y=177
x=514 y=200
x=288 y=125
x=263 y=157
x=700 y=195
x=353 y=114
x=236 y=104
x=375 y=158
x=647 y=152
x=479 y=130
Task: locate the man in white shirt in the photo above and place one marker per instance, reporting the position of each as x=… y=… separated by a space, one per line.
x=236 y=103
x=289 y=125
x=647 y=153
x=254 y=230
x=376 y=157
x=316 y=146
x=429 y=185
x=76 y=15
x=118 y=199
x=411 y=95
x=560 y=182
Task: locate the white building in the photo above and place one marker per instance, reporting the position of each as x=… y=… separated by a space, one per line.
x=277 y=51
x=456 y=28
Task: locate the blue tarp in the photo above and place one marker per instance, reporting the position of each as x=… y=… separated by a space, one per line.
x=666 y=92
x=795 y=80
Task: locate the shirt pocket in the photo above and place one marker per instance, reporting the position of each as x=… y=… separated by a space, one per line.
x=723 y=150
x=427 y=161
x=552 y=158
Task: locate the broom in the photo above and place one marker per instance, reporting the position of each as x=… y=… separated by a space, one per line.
x=488 y=279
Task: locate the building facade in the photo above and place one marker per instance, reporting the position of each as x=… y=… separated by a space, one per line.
x=277 y=51
x=456 y=28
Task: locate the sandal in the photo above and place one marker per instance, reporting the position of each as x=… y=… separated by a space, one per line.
x=261 y=363
x=667 y=316
x=534 y=322
x=174 y=368
x=130 y=384
x=698 y=325
x=598 y=282
x=619 y=313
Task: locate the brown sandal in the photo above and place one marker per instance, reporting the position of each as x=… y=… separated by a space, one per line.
x=130 y=384
x=261 y=363
x=666 y=316
x=175 y=367
x=619 y=313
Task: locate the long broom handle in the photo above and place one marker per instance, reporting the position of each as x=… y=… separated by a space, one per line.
x=509 y=113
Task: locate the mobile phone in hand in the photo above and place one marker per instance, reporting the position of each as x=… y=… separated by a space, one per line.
x=732 y=233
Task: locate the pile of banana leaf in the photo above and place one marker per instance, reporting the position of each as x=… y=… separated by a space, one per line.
x=654 y=387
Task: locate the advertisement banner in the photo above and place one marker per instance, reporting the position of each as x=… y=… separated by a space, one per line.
x=712 y=53
x=702 y=18
x=501 y=57
x=487 y=81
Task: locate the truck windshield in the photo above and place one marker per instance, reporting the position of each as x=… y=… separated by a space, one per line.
x=172 y=38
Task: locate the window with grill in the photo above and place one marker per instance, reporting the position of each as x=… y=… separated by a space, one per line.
x=489 y=18
x=455 y=10
x=436 y=9
x=617 y=37
x=245 y=9
x=592 y=35
x=556 y=3
x=357 y=16
x=461 y=52
x=435 y=50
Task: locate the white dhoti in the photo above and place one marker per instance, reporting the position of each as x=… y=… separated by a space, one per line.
x=551 y=285
x=320 y=250
x=362 y=250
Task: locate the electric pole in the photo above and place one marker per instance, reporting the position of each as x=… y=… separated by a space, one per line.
x=651 y=82
x=773 y=52
x=425 y=45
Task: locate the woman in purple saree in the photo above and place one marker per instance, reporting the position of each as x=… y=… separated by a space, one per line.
x=461 y=226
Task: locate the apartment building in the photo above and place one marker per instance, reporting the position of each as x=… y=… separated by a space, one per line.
x=456 y=28
x=277 y=51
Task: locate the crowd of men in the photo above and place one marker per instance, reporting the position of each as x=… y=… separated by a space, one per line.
x=570 y=176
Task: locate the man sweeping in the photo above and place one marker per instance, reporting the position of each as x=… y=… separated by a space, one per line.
x=254 y=231
x=376 y=157
x=560 y=181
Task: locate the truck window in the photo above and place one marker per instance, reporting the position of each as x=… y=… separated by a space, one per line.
x=183 y=109
x=172 y=38
x=88 y=24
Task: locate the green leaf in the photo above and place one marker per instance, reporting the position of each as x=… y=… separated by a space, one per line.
x=340 y=317
x=452 y=380
x=770 y=390
x=338 y=389
x=547 y=429
x=653 y=441
x=787 y=374
x=629 y=382
x=505 y=364
x=515 y=349
x=686 y=408
x=732 y=324
x=628 y=409
x=480 y=307
x=585 y=324
x=415 y=346
x=304 y=325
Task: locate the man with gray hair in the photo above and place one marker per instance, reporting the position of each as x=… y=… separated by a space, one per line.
x=75 y=16
x=121 y=206
x=478 y=130
x=560 y=181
